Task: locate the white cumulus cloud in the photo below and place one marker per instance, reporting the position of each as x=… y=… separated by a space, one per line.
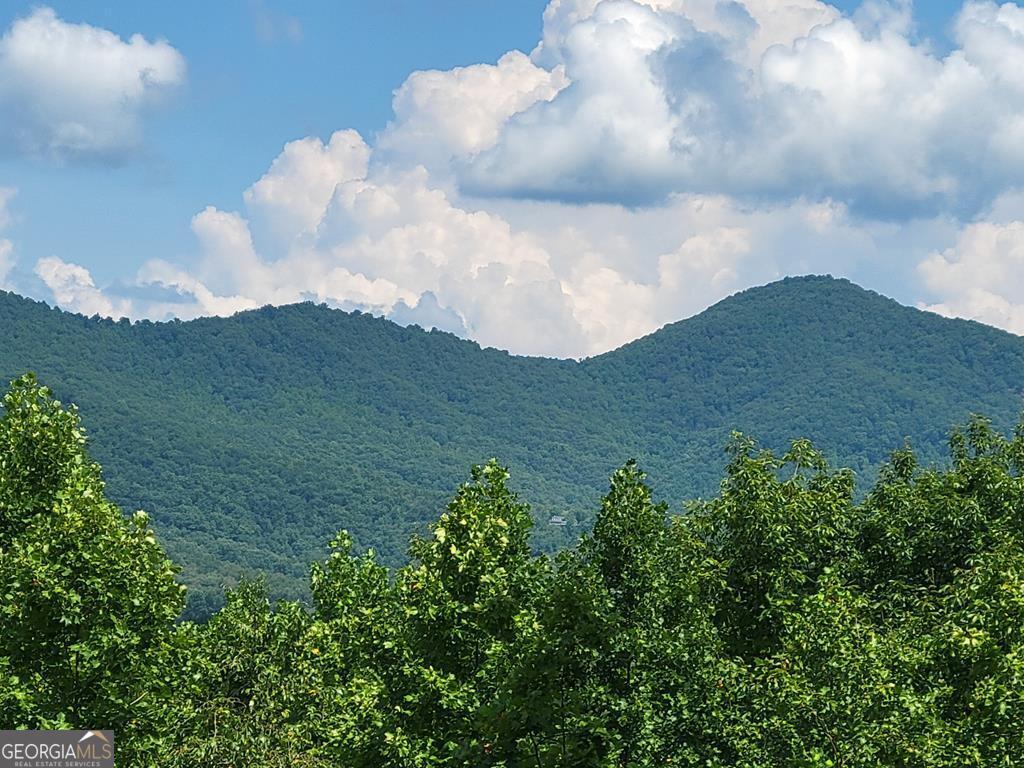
x=73 y=288
x=292 y=196
x=460 y=112
x=78 y=92
x=768 y=101
x=981 y=276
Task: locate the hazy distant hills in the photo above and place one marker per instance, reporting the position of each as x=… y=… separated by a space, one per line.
x=251 y=439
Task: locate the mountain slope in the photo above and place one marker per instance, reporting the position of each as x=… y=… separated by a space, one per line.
x=251 y=439
x=819 y=358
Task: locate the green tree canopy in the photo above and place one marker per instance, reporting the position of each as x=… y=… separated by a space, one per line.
x=782 y=622
x=86 y=595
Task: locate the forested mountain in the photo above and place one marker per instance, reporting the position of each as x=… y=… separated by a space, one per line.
x=780 y=623
x=251 y=439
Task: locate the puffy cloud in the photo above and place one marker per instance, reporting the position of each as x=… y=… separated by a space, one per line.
x=612 y=128
x=777 y=22
x=990 y=36
x=595 y=118
x=179 y=294
x=752 y=25
x=981 y=276
x=459 y=112
x=292 y=196
x=768 y=101
x=399 y=229
x=159 y=291
x=73 y=91
x=73 y=288
x=229 y=255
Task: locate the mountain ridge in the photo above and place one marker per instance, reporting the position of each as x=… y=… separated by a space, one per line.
x=250 y=439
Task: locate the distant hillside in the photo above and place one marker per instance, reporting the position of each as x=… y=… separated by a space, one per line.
x=252 y=439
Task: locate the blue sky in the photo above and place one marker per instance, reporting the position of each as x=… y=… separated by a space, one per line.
x=643 y=161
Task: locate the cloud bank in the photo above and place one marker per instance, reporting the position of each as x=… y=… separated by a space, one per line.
x=644 y=160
